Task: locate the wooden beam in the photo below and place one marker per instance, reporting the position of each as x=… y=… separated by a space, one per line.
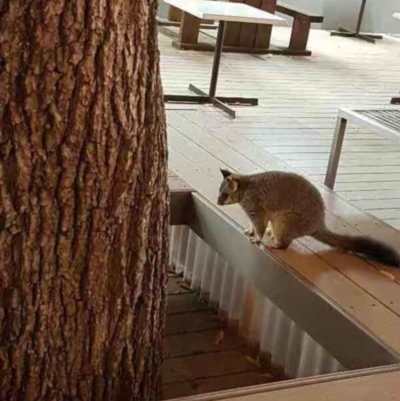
x=180 y=200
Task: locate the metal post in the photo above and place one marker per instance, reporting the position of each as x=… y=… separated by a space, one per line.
x=357 y=33
x=360 y=17
x=217 y=59
x=336 y=149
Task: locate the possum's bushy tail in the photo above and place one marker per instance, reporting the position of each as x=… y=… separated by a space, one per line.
x=369 y=247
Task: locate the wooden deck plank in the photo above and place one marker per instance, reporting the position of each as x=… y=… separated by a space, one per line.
x=177 y=184
x=378 y=203
x=386 y=213
x=184 y=303
x=226 y=382
x=192 y=322
x=389 y=194
x=201 y=342
x=361 y=178
x=355 y=170
x=204 y=354
x=349 y=162
x=383 y=387
x=394 y=222
x=194 y=367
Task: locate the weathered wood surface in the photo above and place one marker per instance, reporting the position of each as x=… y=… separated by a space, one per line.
x=382 y=387
x=176 y=184
x=201 y=353
x=179 y=199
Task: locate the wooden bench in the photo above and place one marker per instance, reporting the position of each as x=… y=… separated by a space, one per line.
x=250 y=38
x=301 y=26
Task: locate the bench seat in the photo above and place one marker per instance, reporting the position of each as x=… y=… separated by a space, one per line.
x=301 y=25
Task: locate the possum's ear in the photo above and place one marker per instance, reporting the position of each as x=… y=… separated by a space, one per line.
x=233 y=181
x=225 y=173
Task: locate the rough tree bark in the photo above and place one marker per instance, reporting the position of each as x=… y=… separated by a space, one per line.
x=83 y=200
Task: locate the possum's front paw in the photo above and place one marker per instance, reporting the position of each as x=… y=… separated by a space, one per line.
x=255 y=240
x=249 y=231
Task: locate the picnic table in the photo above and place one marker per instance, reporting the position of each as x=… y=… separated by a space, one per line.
x=244 y=37
x=384 y=121
x=357 y=33
x=196 y=10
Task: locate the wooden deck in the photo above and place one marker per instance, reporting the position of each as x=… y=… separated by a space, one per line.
x=292 y=129
x=202 y=354
x=383 y=387
x=299 y=99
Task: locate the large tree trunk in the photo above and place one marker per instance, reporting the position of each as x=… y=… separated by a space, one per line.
x=83 y=200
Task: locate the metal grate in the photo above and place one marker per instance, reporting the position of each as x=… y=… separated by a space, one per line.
x=388 y=118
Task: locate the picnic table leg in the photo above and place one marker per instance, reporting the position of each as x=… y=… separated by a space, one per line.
x=189 y=31
x=216 y=63
x=336 y=149
x=214 y=74
x=217 y=59
x=221 y=101
x=300 y=32
x=174 y=14
x=210 y=97
x=360 y=16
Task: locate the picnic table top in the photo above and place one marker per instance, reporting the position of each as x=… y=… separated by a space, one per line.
x=384 y=121
x=226 y=11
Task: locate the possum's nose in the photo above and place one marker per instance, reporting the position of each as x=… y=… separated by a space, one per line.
x=222 y=199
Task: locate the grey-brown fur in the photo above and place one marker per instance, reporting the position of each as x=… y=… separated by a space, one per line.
x=292 y=207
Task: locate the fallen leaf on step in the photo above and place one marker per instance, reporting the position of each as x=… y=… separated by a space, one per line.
x=219 y=337
x=387 y=274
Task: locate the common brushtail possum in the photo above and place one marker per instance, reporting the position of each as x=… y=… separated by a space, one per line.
x=292 y=207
